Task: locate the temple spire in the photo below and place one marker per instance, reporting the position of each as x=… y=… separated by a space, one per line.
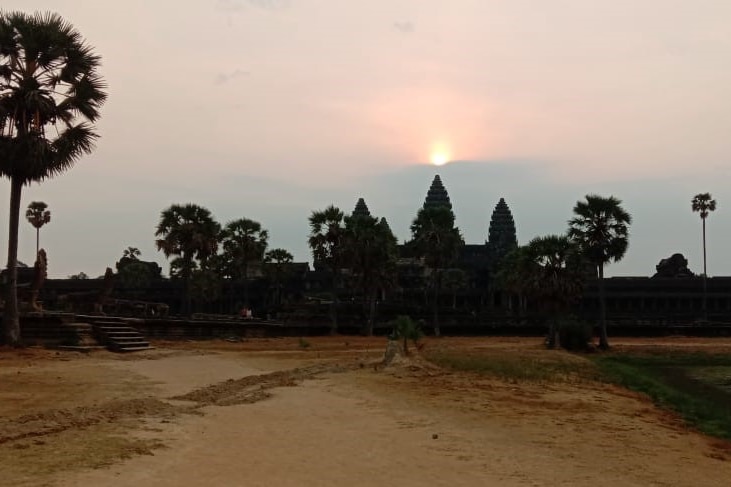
x=361 y=209
x=437 y=195
x=501 y=234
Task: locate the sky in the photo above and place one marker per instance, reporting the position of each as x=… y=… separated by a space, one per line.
x=270 y=109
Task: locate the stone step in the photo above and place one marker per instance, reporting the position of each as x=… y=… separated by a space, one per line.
x=135 y=349
x=122 y=340
x=120 y=337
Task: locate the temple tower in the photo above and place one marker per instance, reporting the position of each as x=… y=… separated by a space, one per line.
x=437 y=195
x=501 y=234
x=361 y=209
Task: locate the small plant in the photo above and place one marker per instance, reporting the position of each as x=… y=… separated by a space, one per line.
x=404 y=328
x=304 y=343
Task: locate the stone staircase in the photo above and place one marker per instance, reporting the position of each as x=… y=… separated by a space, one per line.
x=118 y=336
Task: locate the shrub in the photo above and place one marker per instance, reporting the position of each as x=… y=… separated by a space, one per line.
x=574 y=334
x=404 y=328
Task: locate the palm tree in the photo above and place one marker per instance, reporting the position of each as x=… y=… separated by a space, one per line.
x=38 y=215
x=437 y=241
x=601 y=229
x=703 y=203
x=50 y=95
x=371 y=256
x=277 y=261
x=243 y=242
x=549 y=271
x=327 y=243
x=190 y=233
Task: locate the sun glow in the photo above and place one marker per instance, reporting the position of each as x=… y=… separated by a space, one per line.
x=439 y=158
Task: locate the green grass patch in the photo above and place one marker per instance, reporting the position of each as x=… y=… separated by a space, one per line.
x=696 y=385
x=691 y=384
x=518 y=367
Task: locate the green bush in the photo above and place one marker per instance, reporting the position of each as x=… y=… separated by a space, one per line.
x=404 y=328
x=574 y=334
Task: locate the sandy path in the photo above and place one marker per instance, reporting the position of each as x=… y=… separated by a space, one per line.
x=360 y=428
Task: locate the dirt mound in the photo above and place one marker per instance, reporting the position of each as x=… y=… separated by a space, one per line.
x=59 y=420
x=254 y=388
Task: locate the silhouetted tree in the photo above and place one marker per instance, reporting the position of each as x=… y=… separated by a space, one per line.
x=371 y=257
x=277 y=262
x=437 y=241
x=38 y=215
x=50 y=94
x=703 y=204
x=601 y=229
x=190 y=233
x=132 y=253
x=549 y=271
x=327 y=243
x=243 y=242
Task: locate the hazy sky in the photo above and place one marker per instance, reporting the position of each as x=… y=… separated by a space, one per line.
x=269 y=109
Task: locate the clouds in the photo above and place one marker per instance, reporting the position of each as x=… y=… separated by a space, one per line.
x=223 y=78
x=404 y=27
x=236 y=6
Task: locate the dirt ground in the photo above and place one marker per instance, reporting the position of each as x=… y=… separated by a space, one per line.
x=285 y=412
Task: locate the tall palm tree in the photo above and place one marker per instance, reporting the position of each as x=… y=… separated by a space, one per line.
x=370 y=254
x=50 y=95
x=243 y=242
x=703 y=204
x=190 y=233
x=601 y=229
x=437 y=241
x=327 y=242
x=38 y=215
x=277 y=261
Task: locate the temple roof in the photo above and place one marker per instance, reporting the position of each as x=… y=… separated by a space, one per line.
x=437 y=195
x=361 y=209
x=502 y=227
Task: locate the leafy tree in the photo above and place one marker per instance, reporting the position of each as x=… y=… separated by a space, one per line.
x=550 y=272
x=50 y=95
x=277 y=261
x=132 y=253
x=80 y=275
x=243 y=242
x=703 y=204
x=38 y=215
x=328 y=247
x=437 y=241
x=190 y=233
x=135 y=274
x=601 y=229
x=370 y=253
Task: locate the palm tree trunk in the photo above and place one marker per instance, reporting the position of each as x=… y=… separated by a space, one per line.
x=38 y=240
x=705 y=285
x=435 y=304
x=245 y=268
x=372 y=295
x=11 y=320
x=187 y=263
x=603 y=340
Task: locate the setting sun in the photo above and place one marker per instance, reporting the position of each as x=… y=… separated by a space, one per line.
x=439 y=158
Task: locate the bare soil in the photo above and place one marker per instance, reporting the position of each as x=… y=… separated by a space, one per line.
x=282 y=412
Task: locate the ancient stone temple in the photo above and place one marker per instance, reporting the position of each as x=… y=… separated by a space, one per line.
x=501 y=234
x=361 y=209
x=437 y=195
